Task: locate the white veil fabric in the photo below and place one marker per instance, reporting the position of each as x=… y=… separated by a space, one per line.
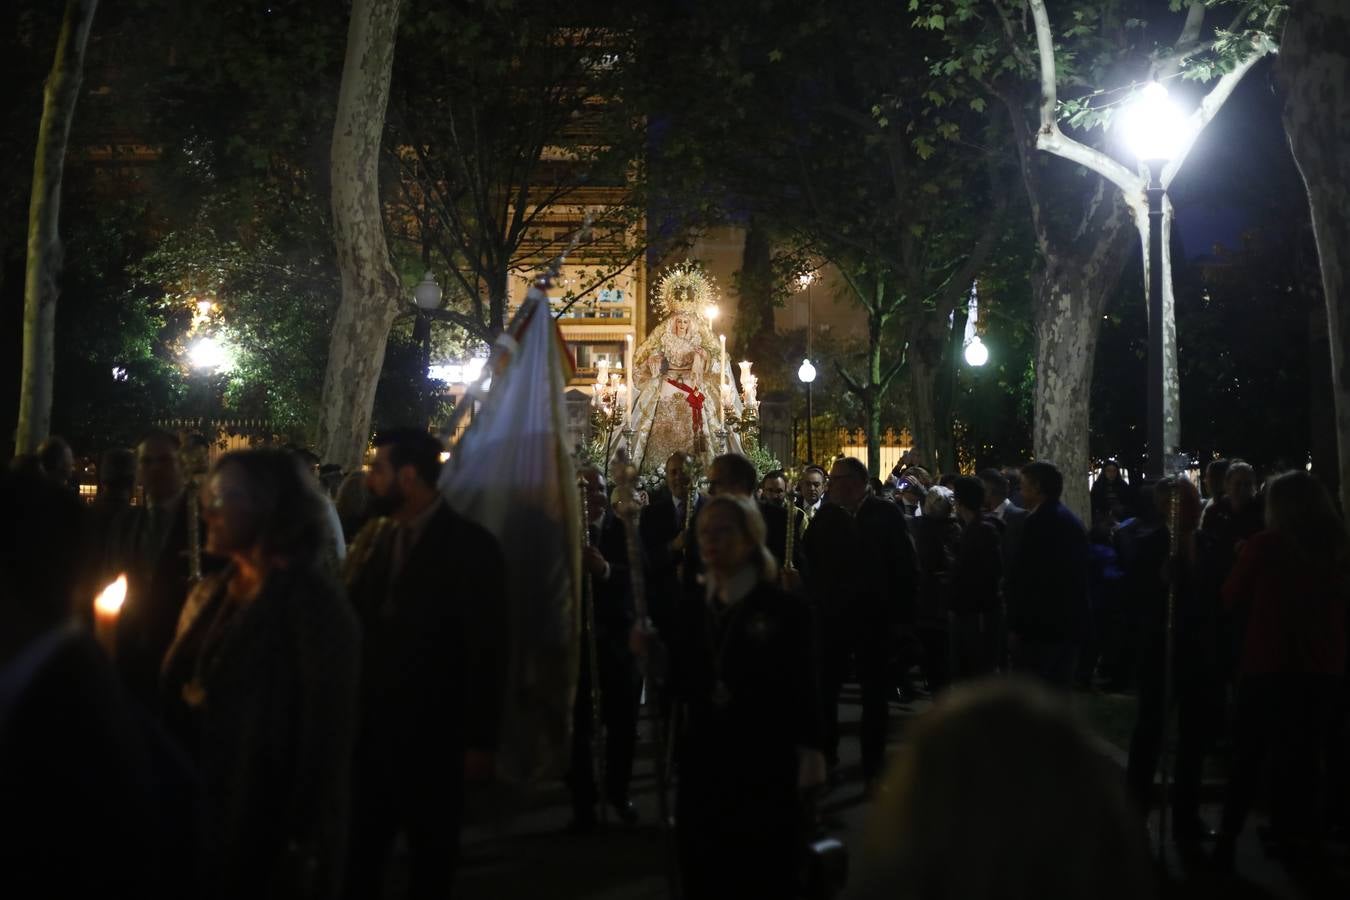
x=512 y=473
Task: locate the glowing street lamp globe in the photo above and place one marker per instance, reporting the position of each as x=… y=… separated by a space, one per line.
x=427 y=292
x=977 y=354
x=806 y=373
x=1153 y=126
x=209 y=354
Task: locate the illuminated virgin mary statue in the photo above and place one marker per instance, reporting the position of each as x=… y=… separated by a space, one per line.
x=683 y=389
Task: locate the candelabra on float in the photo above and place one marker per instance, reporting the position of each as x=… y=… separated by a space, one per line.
x=609 y=400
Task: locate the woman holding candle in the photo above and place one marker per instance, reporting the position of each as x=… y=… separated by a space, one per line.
x=261 y=685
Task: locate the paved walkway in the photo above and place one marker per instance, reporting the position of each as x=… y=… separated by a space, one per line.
x=525 y=851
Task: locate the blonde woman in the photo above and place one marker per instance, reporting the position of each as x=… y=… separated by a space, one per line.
x=745 y=672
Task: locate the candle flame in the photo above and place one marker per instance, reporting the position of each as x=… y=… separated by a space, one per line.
x=110 y=600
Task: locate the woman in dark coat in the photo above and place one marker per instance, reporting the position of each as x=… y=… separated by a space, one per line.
x=260 y=684
x=1290 y=583
x=745 y=673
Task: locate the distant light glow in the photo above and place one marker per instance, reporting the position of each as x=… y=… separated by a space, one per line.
x=119 y=373
x=210 y=354
x=806 y=373
x=458 y=373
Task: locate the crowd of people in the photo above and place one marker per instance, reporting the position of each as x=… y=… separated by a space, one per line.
x=295 y=680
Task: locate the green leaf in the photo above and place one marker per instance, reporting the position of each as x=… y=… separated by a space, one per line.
x=977 y=104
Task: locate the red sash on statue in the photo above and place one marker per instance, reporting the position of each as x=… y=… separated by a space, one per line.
x=694 y=397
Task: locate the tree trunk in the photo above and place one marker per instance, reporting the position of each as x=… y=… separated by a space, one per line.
x=370 y=287
x=1314 y=71
x=1069 y=295
x=875 y=389
x=43 y=266
x=1066 y=327
x=923 y=414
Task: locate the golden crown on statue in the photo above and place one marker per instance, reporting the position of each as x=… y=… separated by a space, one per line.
x=685 y=288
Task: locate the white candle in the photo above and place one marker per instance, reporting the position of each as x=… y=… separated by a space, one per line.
x=107 y=609
x=628 y=376
x=726 y=376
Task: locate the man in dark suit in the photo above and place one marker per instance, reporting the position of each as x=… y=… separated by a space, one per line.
x=1047 y=581
x=151 y=546
x=666 y=528
x=429 y=588
x=861 y=575
x=732 y=473
x=605 y=561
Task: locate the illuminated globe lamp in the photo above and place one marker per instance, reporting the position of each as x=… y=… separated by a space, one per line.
x=427 y=293
x=1154 y=127
x=210 y=355
x=1155 y=131
x=977 y=354
x=806 y=373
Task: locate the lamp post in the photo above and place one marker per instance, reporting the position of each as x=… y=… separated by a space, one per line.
x=806 y=373
x=426 y=297
x=1153 y=128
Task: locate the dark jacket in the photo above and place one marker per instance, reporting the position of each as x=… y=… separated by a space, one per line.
x=614 y=612
x=935 y=545
x=435 y=648
x=1048 y=581
x=747 y=736
x=95 y=801
x=264 y=696
x=1114 y=500
x=776 y=525
x=669 y=572
x=157 y=586
x=862 y=566
x=978 y=574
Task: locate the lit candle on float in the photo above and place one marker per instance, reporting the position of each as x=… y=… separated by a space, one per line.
x=628 y=376
x=107 y=609
x=725 y=374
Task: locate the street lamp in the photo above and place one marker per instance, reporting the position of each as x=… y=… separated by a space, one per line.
x=427 y=297
x=1154 y=129
x=210 y=355
x=806 y=373
x=977 y=354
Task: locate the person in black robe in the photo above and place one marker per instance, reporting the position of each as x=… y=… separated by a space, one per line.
x=605 y=561
x=745 y=674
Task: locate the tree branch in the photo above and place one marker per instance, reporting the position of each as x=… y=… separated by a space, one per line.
x=1049 y=138
x=853 y=385
x=1213 y=102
